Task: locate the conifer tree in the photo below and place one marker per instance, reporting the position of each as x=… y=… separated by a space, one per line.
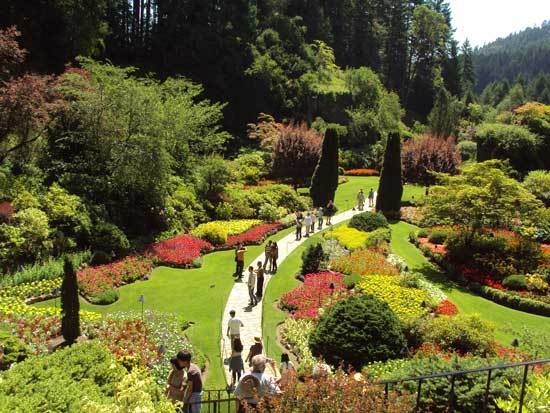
x=390 y=189
x=70 y=306
x=325 y=178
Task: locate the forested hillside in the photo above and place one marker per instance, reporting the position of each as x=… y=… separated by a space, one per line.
x=525 y=54
x=257 y=55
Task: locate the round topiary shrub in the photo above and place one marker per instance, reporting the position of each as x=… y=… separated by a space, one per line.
x=368 y=221
x=312 y=258
x=515 y=282
x=438 y=236
x=100 y=258
x=357 y=331
x=108 y=237
x=106 y=297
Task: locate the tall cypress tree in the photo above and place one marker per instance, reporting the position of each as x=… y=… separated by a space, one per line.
x=325 y=178
x=390 y=189
x=468 y=70
x=70 y=306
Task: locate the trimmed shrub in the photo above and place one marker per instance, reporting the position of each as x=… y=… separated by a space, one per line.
x=467 y=150
x=14 y=350
x=357 y=331
x=462 y=334
x=224 y=211
x=438 y=236
x=106 y=297
x=270 y=213
x=513 y=301
x=368 y=221
x=312 y=258
x=515 y=282
x=378 y=237
x=325 y=178
x=110 y=238
x=390 y=189
x=100 y=258
x=538 y=183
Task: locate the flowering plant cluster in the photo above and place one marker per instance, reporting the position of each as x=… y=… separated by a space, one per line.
x=96 y=280
x=179 y=251
x=13 y=306
x=350 y=238
x=317 y=291
x=254 y=235
x=33 y=289
x=478 y=276
x=363 y=262
x=362 y=172
x=296 y=334
x=408 y=303
x=232 y=227
x=434 y=248
x=446 y=307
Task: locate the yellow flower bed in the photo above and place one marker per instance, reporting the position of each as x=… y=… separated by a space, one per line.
x=17 y=307
x=349 y=238
x=217 y=232
x=32 y=289
x=405 y=302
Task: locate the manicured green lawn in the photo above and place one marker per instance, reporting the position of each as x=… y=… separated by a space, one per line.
x=502 y=317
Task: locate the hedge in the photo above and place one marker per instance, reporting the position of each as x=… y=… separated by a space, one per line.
x=513 y=301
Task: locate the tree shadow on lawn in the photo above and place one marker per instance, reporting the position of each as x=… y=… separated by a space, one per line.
x=438 y=278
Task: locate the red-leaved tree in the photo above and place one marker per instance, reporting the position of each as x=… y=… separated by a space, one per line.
x=27 y=102
x=296 y=152
x=425 y=154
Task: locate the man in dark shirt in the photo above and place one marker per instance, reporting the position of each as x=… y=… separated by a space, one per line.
x=194 y=377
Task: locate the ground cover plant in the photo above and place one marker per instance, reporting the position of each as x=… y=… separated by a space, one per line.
x=179 y=251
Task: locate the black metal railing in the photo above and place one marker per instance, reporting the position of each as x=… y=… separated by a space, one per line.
x=220 y=401
x=452 y=375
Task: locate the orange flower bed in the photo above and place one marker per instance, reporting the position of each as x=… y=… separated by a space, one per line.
x=362 y=172
x=436 y=249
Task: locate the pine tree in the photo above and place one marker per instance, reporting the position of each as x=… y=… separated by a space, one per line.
x=70 y=306
x=468 y=70
x=444 y=116
x=452 y=71
x=325 y=178
x=390 y=189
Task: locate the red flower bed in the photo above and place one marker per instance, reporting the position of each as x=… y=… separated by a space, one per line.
x=436 y=249
x=179 y=251
x=447 y=308
x=475 y=275
x=305 y=301
x=254 y=235
x=127 y=338
x=95 y=280
x=362 y=172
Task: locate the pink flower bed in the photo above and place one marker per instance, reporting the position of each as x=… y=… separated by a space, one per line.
x=179 y=251
x=254 y=235
x=305 y=301
x=95 y=280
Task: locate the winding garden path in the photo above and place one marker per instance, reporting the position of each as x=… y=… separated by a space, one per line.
x=238 y=298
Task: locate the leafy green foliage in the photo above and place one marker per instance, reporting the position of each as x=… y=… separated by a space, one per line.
x=516 y=282
x=61 y=382
x=461 y=333
x=13 y=350
x=368 y=221
x=109 y=238
x=357 y=331
x=538 y=183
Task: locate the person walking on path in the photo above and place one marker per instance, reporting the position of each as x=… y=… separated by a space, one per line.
x=330 y=211
x=361 y=200
x=307 y=223
x=320 y=213
x=255 y=349
x=371 y=198
x=234 y=327
x=260 y=281
x=236 y=364
x=194 y=380
x=313 y=219
x=268 y=254
x=239 y=259
x=177 y=382
x=298 y=226
x=257 y=386
x=274 y=257
x=286 y=365
x=251 y=282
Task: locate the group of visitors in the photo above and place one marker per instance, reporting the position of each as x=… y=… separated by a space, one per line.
x=361 y=199
x=185 y=383
x=308 y=220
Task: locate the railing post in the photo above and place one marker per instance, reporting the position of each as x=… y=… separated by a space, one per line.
x=523 y=384
x=452 y=394
x=487 y=387
x=418 y=395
